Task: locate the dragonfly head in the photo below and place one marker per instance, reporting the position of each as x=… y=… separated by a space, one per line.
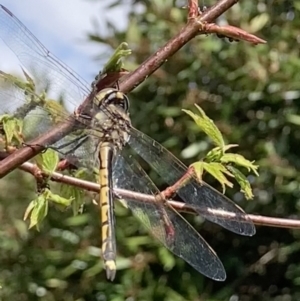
x=111 y=96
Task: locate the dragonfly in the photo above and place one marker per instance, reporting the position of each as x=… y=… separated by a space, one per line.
x=103 y=139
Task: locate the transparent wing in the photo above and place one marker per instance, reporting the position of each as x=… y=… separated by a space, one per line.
x=187 y=243
x=37 y=113
x=24 y=99
x=49 y=73
x=204 y=199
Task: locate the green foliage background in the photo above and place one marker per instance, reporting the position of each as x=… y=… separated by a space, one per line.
x=252 y=93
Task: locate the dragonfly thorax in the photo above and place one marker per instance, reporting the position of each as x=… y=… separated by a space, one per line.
x=111 y=121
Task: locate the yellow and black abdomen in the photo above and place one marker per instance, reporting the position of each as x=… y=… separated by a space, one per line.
x=107 y=210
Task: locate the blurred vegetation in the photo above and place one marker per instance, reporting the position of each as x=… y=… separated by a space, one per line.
x=253 y=95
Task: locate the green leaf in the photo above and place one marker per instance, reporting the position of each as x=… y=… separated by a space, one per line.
x=75 y=195
x=216 y=153
x=28 y=86
x=239 y=160
x=38 y=208
x=39 y=211
x=198 y=168
x=243 y=182
x=229 y=146
x=28 y=210
x=30 y=83
x=207 y=126
x=115 y=63
x=47 y=161
x=55 y=198
x=53 y=107
x=217 y=170
x=12 y=128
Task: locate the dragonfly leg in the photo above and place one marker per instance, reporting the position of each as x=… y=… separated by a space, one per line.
x=34 y=145
x=169 y=227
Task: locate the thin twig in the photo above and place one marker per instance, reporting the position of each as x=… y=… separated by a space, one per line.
x=179 y=206
x=193 y=9
x=192 y=29
x=233 y=32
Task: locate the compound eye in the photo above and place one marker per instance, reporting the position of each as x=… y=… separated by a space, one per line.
x=125 y=103
x=117 y=98
x=114 y=97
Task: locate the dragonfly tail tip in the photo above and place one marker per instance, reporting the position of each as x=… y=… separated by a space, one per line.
x=111 y=268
